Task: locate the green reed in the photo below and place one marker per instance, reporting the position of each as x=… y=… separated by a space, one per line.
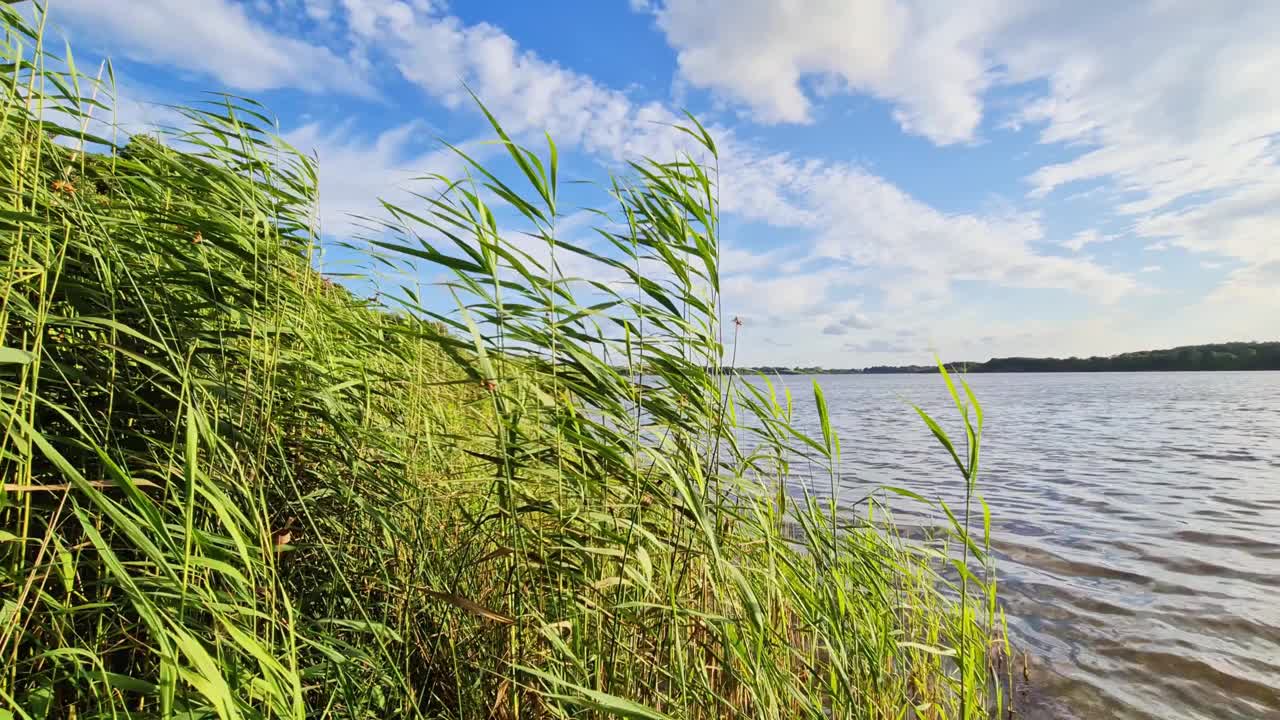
x=234 y=489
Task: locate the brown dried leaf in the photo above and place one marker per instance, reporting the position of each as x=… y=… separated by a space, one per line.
x=471 y=606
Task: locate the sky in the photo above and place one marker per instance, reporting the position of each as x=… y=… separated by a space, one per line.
x=898 y=178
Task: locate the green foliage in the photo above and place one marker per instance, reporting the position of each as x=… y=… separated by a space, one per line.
x=1218 y=356
x=233 y=489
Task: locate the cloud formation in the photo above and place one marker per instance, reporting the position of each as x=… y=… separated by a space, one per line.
x=925 y=58
x=356 y=171
x=1172 y=142
x=216 y=38
x=851 y=215
x=1169 y=108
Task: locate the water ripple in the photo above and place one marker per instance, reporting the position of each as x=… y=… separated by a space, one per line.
x=1136 y=519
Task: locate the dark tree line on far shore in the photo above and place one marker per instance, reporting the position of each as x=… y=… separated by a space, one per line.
x=1220 y=356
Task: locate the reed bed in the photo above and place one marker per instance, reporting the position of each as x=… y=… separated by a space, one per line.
x=235 y=489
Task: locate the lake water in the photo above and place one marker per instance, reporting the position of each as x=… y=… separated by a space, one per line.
x=1136 y=519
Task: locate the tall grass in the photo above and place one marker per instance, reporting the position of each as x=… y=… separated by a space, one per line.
x=235 y=489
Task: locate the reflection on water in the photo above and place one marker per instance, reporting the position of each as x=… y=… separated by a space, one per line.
x=1136 y=519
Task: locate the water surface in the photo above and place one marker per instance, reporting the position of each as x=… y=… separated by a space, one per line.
x=1136 y=519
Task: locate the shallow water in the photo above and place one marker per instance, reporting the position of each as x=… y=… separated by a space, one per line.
x=1136 y=519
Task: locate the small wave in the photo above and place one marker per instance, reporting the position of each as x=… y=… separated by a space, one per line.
x=1228 y=456
x=1256 y=548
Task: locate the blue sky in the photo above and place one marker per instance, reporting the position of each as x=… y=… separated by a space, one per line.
x=985 y=178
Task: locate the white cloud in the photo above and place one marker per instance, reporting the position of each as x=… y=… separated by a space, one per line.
x=1084 y=238
x=776 y=299
x=1165 y=118
x=1243 y=307
x=848 y=215
x=868 y=221
x=848 y=324
x=318 y=10
x=925 y=58
x=877 y=232
x=444 y=56
x=1244 y=224
x=355 y=172
x=735 y=260
x=1183 y=133
x=878 y=347
x=1149 y=269
x=1162 y=117
x=1255 y=282
x=1179 y=135
x=213 y=37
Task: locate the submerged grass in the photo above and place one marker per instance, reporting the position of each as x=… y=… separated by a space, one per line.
x=234 y=489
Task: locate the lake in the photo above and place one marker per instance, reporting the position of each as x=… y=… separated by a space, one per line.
x=1136 y=522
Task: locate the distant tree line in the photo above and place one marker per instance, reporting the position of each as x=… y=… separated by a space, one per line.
x=1219 y=356
x=1223 y=356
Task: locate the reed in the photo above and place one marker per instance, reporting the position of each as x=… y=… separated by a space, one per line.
x=234 y=489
